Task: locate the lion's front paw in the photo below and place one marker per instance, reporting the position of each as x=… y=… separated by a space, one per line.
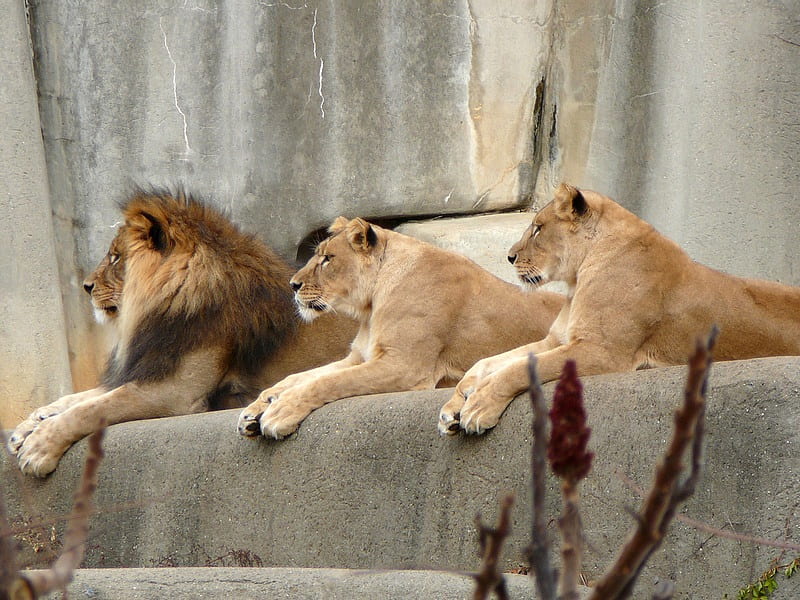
x=41 y=449
x=482 y=409
x=249 y=425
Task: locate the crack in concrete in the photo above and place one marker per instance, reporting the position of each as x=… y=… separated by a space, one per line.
x=321 y=64
x=188 y=150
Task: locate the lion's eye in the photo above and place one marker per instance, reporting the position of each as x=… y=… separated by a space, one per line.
x=113 y=259
x=536 y=229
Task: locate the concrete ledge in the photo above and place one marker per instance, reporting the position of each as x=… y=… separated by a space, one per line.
x=297 y=584
x=368 y=484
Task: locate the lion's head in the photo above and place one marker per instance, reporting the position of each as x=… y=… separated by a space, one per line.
x=178 y=277
x=105 y=283
x=554 y=245
x=339 y=276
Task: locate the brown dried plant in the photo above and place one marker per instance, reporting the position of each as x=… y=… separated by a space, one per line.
x=571 y=462
x=28 y=585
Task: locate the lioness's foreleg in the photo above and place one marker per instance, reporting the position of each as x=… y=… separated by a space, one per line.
x=249 y=425
x=384 y=374
x=26 y=427
x=184 y=393
x=485 y=405
x=451 y=413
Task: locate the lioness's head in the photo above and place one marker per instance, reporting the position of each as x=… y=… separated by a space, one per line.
x=339 y=276
x=104 y=285
x=554 y=245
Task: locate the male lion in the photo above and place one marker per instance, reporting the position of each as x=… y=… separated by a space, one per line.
x=635 y=300
x=204 y=317
x=425 y=316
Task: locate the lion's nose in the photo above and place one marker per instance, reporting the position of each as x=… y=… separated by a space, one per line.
x=296 y=285
x=88 y=286
x=512 y=258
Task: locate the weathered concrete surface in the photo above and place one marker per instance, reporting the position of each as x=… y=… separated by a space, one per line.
x=367 y=483
x=277 y=583
x=686 y=113
x=34 y=364
x=484 y=239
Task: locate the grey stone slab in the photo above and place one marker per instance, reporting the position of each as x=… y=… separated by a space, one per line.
x=34 y=363
x=368 y=484
x=294 y=584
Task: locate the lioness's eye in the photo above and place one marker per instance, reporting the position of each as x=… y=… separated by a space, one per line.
x=536 y=229
x=113 y=259
x=326 y=258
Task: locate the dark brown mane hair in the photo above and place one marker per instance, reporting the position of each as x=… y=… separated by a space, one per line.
x=194 y=280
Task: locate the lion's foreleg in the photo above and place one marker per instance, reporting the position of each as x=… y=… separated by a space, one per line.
x=248 y=424
x=451 y=414
x=183 y=393
x=26 y=427
x=376 y=376
x=483 y=408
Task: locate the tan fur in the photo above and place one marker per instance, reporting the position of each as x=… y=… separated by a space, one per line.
x=425 y=316
x=636 y=300
x=204 y=318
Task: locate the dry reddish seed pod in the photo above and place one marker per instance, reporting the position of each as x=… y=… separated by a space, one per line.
x=569 y=434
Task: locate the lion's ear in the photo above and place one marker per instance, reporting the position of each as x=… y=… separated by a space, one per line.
x=361 y=235
x=569 y=202
x=155 y=232
x=338 y=225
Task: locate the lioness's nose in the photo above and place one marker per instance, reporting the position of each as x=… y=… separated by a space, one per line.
x=296 y=285
x=88 y=286
x=512 y=258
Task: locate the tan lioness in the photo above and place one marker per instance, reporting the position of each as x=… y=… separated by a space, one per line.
x=425 y=316
x=635 y=300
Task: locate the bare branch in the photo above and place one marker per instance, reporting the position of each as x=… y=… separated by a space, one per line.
x=715 y=531
x=489 y=579
x=665 y=493
x=539 y=550
x=43 y=582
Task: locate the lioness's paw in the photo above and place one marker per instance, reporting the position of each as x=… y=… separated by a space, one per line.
x=482 y=410
x=450 y=415
x=248 y=424
x=41 y=450
x=283 y=417
x=20 y=433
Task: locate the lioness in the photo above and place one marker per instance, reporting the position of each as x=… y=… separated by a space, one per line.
x=204 y=317
x=425 y=316
x=635 y=300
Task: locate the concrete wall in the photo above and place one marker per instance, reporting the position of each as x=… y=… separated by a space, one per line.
x=288 y=114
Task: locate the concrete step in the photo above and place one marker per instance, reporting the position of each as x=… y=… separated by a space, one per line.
x=197 y=583
x=367 y=483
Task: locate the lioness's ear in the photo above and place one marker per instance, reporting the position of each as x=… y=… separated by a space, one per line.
x=361 y=235
x=338 y=225
x=569 y=202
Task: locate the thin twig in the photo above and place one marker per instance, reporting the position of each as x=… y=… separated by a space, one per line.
x=43 y=582
x=489 y=579
x=665 y=493
x=715 y=531
x=539 y=550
